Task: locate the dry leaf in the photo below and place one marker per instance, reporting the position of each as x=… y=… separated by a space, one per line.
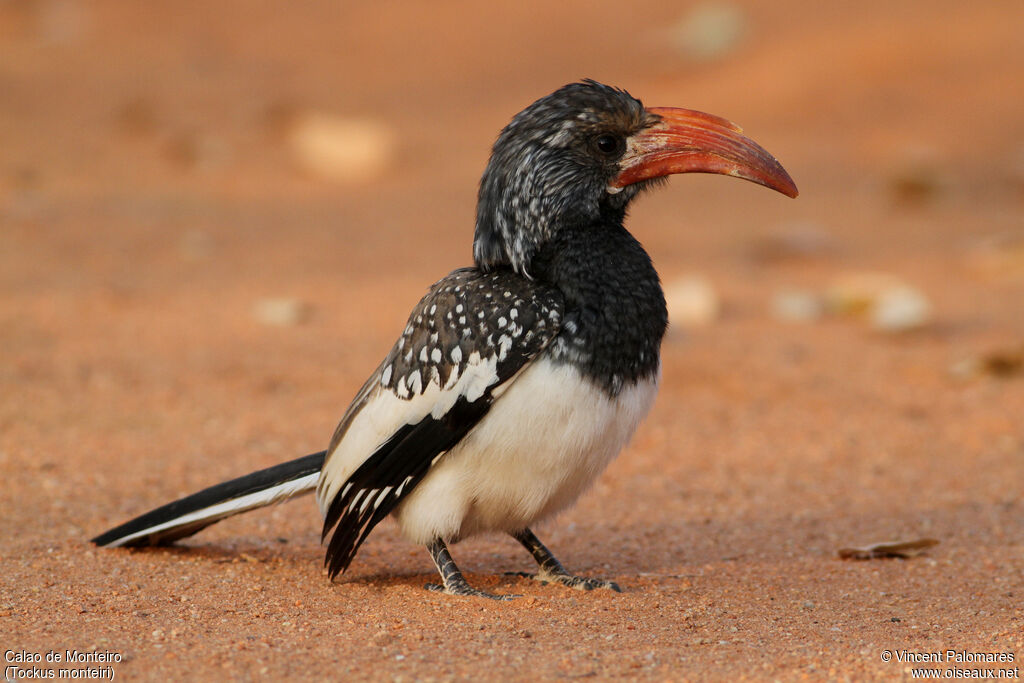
x=901 y=549
x=1003 y=363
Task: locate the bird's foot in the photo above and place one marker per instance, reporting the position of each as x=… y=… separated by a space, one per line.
x=568 y=580
x=464 y=589
x=453 y=582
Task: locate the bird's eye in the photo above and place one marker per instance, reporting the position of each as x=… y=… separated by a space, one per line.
x=609 y=145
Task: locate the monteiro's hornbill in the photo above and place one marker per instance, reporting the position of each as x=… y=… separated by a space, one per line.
x=516 y=381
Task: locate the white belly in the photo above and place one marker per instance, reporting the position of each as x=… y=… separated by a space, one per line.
x=541 y=445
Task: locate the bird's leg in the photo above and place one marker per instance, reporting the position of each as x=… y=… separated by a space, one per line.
x=452 y=580
x=552 y=571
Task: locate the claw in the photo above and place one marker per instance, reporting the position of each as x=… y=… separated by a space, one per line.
x=568 y=580
x=466 y=591
x=552 y=571
x=454 y=582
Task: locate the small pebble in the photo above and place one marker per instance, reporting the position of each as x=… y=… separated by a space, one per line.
x=341 y=149
x=692 y=302
x=710 y=31
x=899 y=309
x=280 y=311
x=794 y=242
x=888 y=303
x=855 y=293
x=798 y=305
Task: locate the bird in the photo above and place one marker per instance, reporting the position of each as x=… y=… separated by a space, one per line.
x=515 y=381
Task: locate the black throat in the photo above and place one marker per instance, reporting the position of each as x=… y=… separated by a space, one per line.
x=615 y=316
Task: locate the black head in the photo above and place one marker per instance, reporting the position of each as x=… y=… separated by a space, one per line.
x=579 y=155
x=552 y=165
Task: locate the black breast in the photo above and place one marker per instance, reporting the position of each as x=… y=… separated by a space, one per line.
x=615 y=316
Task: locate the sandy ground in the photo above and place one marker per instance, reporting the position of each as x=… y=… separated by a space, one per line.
x=154 y=195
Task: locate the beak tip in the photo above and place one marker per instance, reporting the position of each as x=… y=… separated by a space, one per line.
x=780 y=180
x=773 y=176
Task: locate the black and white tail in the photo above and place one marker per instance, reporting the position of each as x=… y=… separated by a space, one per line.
x=190 y=514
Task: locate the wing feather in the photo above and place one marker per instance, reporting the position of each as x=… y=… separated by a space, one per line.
x=477 y=331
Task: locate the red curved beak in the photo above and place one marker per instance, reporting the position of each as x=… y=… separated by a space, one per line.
x=687 y=141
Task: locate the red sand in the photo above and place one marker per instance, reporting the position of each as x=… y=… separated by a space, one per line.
x=149 y=198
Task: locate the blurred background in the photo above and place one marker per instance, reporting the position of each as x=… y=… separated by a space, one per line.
x=214 y=218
